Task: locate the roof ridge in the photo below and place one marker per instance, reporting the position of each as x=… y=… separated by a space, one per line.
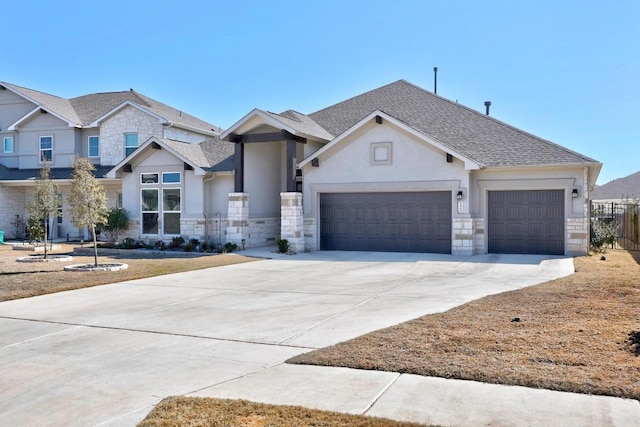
x=497 y=121
x=33 y=90
x=356 y=96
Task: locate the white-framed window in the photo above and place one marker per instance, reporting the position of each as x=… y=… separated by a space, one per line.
x=171 y=211
x=380 y=153
x=150 y=210
x=149 y=178
x=171 y=178
x=93 y=146
x=130 y=143
x=8 y=144
x=46 y=149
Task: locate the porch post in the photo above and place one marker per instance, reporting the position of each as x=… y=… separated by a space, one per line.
x=239 y=167
x=291 y=166
x=292 y=220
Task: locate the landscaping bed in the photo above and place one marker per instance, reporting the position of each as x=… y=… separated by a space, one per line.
x=577 y=334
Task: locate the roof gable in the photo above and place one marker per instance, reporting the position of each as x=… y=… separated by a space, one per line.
x=487 y=141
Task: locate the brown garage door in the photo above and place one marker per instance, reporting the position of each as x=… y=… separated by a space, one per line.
x=526 y=222
x=386 y=222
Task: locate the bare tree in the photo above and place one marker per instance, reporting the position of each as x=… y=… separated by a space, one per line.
x=44 y=204
x=88 y=200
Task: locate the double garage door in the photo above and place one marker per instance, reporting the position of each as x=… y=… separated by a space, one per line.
x=386 y=222
x=526 y=222
x=519 y=222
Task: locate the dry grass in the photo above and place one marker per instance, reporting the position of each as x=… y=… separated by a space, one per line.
x=21 y=280
x=573 y=335
x=208 y=412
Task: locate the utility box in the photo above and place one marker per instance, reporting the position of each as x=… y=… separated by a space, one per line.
x=1 y=237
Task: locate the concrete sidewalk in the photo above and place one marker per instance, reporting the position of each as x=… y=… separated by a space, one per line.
x=106 y=355
x=425 y=400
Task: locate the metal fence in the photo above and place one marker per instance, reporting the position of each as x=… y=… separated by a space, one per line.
x=627 y=219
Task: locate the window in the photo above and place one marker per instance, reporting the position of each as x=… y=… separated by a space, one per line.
x=8 y=144
x=171 y=177
x=46 y=149
x=148 y=178
x=171 y=210
x=130 y=143
x=149 y=207
x=94 y=146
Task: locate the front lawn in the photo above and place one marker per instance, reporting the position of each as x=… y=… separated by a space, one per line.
x=577 y=334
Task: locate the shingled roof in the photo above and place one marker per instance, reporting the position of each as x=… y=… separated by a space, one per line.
x=15 y=174
x=213 y=155
x=83 y=110
x=477 y=136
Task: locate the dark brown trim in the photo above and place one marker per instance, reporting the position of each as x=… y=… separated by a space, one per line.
x=187 y=167
x=291 y=166
x=156 y=146
x=239 y=168
x=283 y=135
x=127 y=168
x=379 y=120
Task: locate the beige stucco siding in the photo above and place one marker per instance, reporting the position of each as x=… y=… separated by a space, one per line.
x=263 y=178
x=64 y=142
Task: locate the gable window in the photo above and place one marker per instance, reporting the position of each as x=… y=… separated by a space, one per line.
x=94 y=146
x=8 y=144
x=171 y=177
x=148 y=178
x=46 y=149
x=130 y=143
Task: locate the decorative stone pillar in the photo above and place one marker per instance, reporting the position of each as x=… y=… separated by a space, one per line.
x=292 y=220
x=238 y=218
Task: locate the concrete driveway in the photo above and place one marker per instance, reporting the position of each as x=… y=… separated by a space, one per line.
x=106 y=355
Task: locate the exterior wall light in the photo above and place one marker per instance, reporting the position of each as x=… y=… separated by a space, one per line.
x=460 y=195
x=574 y=193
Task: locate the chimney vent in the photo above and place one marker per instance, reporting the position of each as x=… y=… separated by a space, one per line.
x=487 y=104
x=435 y=80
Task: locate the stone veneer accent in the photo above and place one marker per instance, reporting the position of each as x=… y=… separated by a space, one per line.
x=238 y=218
x=13 y=203
x=577 y=236
x=480 y=233
x=310 y=235
x=463 y=236
x=292 y=221
x=127 y=120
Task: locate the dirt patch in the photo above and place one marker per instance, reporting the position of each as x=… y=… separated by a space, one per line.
x=208 y=412
x=572 y=334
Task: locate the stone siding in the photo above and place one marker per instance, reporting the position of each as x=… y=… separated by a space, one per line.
x=292 y=221
x=127 y=120
x=310 y=235
x=463 y=236
x=13 y=203
x=577 y=236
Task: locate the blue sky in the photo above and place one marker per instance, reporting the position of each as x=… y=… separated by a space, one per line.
x=567 y=71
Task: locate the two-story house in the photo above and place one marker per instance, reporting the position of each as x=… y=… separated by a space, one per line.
x=36 y=127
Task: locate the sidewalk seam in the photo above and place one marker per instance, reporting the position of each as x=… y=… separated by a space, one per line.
x=379 y=395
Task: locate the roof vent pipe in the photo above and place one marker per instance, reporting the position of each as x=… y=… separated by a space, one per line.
x=487 y=104
x=435 y=80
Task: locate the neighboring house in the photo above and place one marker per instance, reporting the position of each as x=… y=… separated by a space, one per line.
x=621 y=190
x=394 y=169
x=37 y=127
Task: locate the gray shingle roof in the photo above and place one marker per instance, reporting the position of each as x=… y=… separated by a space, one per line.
x=55 y=104
x=213 y=155
x=302 y=123
x=621 y=188
x=14 y=174
x=83 y=110
x=482 y=138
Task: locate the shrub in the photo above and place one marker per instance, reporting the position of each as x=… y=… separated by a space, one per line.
x=603 y=234
x=283 y=246
x=160 y=245
x=204 y=246
x=117 y=223
x=188 y=247
x=129 y=243
x=230 y=247
x=177 y=242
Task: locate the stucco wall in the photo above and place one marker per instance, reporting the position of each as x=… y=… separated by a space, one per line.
x=262 y=179
x=64 y=140
x=183 y=135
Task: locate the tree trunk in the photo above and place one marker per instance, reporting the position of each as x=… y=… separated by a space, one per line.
x=95 y=245
x=46 y=222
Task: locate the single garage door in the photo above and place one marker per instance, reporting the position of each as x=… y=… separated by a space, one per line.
x=526 y=222
x=386 y=222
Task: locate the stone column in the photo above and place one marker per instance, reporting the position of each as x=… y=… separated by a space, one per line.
x=238 y=218
x=292 y=220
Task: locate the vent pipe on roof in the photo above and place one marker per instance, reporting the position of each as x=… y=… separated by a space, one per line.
x=435 y=80
x=487 y=104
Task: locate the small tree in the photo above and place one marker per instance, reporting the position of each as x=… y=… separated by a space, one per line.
x=603 y=234
x=88 y=199
x=117 y=223
x=43 y=206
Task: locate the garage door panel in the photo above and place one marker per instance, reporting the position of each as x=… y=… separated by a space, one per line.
x=526 y=222
x=393 y=222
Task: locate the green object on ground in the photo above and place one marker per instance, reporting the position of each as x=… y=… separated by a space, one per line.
x=1 y=237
